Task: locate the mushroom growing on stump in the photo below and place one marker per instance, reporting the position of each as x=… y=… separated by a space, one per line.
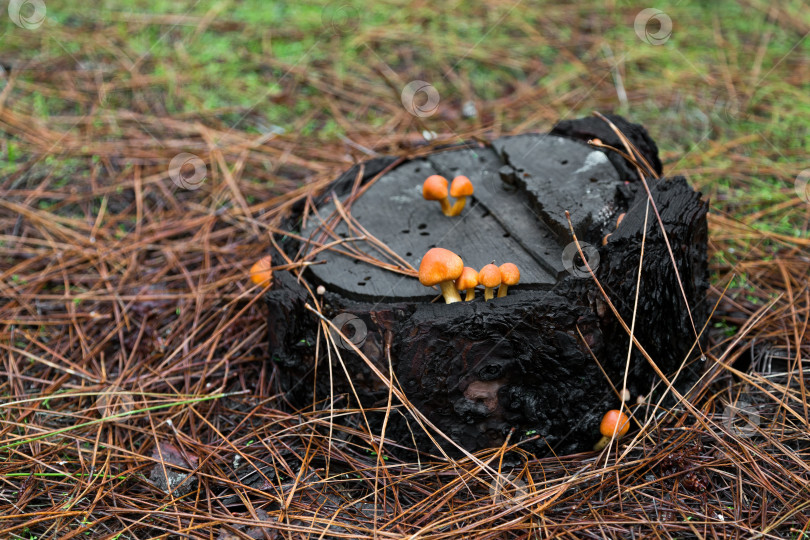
x=510 y=275
x=476 y=372
x=435 y=189
x=461 y=188
x=441 y=267
x=489 y=277
x=467 y=281
x=261 y=273
x=614 y=422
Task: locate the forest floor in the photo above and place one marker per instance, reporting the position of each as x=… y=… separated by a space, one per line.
x=132 y=343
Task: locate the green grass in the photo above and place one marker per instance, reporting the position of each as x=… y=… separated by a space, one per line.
x=248 y=65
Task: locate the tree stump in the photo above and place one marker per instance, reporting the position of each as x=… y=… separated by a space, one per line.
x=548 y=360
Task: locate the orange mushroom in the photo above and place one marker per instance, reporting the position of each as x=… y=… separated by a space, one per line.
x=435 y=189
x=614 y=423
x=489 y=277
x=510 y=275
x=467 y=281
x=261 y=273
x=441 y=267
x=461 y=188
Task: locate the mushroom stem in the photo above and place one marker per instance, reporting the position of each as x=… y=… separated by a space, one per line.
x=502 y=290
x=470 y=295
x=449 y=292
x=457 y=207
x=488 y=294
x=602 y=443
x=446 y=208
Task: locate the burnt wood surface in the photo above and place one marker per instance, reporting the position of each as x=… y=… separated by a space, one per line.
x=525 y=362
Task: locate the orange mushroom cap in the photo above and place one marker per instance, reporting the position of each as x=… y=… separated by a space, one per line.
x=510 y=275
x=461 y=187
x=467 y=280
x=261 y=272
x=434 y=188
x=609 y=422
x=439 y=265
x=489 y=276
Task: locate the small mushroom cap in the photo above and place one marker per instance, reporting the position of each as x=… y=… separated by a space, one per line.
x=610 y=420
x=489 y=276
x=434 y=188
x=467 y=280
x=510 y=275
x=439 y=265
x=461 y=187
x=261 y=273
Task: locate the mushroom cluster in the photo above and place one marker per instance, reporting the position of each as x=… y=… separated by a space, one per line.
x=442 y=267
x=435 y=189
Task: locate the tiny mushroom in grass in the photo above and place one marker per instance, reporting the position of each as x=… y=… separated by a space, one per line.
x=261 y=273
x=510 y=275
x=614 y=421
x=489 y=277
x=461 y=188
x=441 y=267
x=435 y=189
x=467 y=281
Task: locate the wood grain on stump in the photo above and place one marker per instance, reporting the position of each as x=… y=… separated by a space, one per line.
x=525 y=362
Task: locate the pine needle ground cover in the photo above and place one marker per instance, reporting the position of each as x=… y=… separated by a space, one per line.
x=150 y=151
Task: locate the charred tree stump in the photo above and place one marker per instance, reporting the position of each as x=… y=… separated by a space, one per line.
x=529 y=362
